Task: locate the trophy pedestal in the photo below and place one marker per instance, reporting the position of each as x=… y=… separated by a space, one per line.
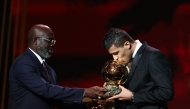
x=113 y=89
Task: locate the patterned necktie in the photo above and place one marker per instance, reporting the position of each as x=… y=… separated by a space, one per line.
x=45 y=68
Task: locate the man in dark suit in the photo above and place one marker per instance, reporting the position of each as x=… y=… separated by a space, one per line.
x=149 y=84
x=33 y=82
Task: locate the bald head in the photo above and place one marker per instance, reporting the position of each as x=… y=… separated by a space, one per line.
x=38 y=30
x=41 y=40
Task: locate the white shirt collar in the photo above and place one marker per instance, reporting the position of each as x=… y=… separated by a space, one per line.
x=39 y=58
x=137 y=47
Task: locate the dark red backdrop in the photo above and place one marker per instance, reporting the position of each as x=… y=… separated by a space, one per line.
x=79 y=26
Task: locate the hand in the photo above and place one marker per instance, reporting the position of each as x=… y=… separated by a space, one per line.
x=94 y=92
x=95 y=104
x=124 y=95
x=104 y=85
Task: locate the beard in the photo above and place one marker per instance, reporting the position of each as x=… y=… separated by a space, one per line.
x=44 y=52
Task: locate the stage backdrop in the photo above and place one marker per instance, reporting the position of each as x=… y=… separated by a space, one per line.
x=80 y=25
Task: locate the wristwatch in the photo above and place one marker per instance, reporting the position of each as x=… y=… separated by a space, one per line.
x=132 y=97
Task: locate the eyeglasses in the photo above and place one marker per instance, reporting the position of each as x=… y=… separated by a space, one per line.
x=49 y=40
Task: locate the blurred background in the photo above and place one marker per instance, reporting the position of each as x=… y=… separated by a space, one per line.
x=79 y=27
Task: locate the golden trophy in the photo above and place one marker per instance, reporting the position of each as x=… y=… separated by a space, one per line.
x=114 y=73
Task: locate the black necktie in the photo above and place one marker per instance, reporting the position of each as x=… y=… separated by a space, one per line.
x=45 y=68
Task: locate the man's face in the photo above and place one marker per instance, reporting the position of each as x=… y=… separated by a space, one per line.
x=122 y=54
x=45 y=47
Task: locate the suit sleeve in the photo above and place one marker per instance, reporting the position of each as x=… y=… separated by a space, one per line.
x=160 y=73
x=27 y=75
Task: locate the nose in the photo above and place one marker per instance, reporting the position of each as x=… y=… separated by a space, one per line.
x=115 y=57
x=52 y=44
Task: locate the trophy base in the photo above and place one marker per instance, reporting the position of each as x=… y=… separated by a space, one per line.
x=113 y=89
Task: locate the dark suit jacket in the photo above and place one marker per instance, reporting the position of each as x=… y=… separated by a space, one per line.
x=30 y=88
x=150 y=79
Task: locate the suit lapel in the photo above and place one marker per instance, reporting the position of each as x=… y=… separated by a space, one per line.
x=34 y=59
x=133 y=67
x=39 y=66
x=135 y=62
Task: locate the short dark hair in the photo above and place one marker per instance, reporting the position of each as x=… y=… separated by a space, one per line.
x=117 y=37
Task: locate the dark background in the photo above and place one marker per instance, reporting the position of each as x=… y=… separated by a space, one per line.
x=80 y=25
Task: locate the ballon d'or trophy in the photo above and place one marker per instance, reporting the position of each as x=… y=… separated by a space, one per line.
x=114 y=73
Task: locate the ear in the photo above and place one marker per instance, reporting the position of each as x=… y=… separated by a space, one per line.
x=35 y=41
x=127 y=44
